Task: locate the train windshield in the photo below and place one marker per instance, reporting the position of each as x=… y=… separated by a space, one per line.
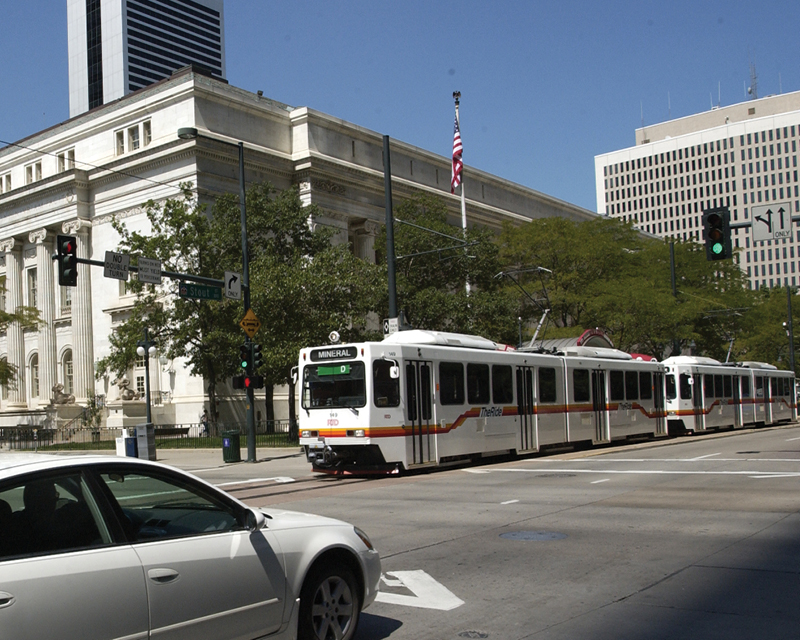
x=334 y=385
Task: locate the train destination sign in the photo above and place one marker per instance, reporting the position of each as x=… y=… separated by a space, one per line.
x=771 y=221
x=334 y=353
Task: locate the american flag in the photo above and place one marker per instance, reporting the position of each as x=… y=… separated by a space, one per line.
x=457 y=163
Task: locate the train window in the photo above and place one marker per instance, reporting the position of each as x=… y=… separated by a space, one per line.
x=686 y=386
x=478 y=383
x=334 y=385
x=411 y=391
x=631 y=385
x=727 y=383
x=774 y=386
x=386 y=390
x=645 y=385
x=547 y=385
x=581 y=391
x=672 y=391
x=708 y=385
x=451 y=382
x=502 y=386
x=718 y=393
x=745 y=387
x=759 y=387
x=787 y=387
x=617 y=390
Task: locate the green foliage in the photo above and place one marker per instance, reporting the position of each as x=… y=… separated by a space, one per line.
x=301 y=286
x=431 y=284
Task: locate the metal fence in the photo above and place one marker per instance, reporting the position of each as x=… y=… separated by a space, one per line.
x=273 y=433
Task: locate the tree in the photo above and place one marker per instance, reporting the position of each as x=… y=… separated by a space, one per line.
x=433 y=270
x=292 y=290
x=27 y=316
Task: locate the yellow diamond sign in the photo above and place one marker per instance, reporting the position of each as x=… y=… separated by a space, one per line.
x=250 y=323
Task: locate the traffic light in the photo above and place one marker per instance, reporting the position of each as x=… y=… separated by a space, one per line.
x=244 y=356
x=258 y=358
x=248 y=382
x=67 y=261
x=717 y=233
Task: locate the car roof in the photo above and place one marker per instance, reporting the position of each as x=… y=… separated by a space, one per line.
x=15 y=463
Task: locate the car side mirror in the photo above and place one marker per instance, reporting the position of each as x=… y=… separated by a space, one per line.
x=254 y=520
x=394 y=372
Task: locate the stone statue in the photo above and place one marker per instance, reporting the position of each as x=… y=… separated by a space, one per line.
x=59 y=397
x=124 y=392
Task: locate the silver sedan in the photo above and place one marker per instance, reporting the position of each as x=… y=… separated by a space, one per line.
x=98 y=547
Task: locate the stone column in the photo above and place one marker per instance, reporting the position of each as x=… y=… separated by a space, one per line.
x=47 y=306
x=16 y=342
x=82 y=336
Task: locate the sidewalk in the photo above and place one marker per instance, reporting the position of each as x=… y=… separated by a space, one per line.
x=189 y=459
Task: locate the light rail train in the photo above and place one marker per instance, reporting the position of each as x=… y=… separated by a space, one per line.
x=703 y=394
x=422 y=399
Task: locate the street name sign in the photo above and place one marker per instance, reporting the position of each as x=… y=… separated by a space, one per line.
x=149 y=270
x=199 y=291
x=116 y=265
x=233 y=285
x=250 y=323
x=771 y=221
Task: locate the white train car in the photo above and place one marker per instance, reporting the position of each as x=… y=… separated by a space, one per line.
x=424 y=398
x=704 y=394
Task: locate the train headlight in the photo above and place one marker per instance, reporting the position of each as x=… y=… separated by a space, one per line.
x=359 y=433
x=305 y=434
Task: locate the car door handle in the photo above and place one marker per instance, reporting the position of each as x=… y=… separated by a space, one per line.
x=6 y=599
x=162 y=575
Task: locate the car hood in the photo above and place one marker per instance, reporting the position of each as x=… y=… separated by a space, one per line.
x=282 y=519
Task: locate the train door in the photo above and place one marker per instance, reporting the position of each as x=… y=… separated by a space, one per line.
x=421 y=445
x=737 y=402
x=769 y=398
x=658 y=403
x=697 y=402
x=525 y=409
x=599 y=406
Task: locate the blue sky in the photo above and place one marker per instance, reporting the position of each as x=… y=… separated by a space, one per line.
x=545 y=85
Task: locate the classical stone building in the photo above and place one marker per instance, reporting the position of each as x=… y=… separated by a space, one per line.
x=76 y=177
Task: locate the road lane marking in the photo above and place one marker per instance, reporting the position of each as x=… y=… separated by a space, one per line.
x=599 y=481
x=509 y=502
x=710 y=455
x=658 y=472
x=792 y=439
x=428 y=594
x=278 y=479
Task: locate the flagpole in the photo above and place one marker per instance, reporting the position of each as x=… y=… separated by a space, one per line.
x=457 y=98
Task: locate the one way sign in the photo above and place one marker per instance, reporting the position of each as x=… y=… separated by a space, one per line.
x=771 y=221
x=233 y=285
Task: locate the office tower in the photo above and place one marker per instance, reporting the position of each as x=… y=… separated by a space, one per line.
x=119 y=46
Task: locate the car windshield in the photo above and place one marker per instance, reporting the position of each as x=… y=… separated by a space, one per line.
x=332 y=385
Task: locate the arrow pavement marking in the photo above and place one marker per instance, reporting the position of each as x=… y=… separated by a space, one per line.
x=428 y=594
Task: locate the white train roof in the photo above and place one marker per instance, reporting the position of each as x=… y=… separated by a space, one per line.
x=674 y=360
x=443 y=338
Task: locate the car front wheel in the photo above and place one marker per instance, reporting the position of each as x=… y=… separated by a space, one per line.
x=329 y=604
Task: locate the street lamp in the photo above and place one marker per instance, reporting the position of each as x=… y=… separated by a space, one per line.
x=190 y=133
x=145 y=349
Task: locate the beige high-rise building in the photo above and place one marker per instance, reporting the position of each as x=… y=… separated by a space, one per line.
x=743 y=156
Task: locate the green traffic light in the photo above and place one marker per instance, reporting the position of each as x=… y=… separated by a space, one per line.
x=717 y=248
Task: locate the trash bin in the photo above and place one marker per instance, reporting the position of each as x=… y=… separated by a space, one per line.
x=230 y=447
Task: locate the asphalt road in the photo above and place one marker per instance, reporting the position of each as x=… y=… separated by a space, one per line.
x=691 y=538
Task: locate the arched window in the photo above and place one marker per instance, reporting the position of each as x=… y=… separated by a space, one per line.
x=66 y=367
x=35 y=375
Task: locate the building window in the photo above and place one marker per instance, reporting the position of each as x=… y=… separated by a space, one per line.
x=140 y=385
x=66 y=160
x=147 y=133
x=32 y=288
x=5 y=183
x=33 y=172
x=133 y=138
x=120 y=143
x=66 y=367
x=35 y=376
x=66 y=301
